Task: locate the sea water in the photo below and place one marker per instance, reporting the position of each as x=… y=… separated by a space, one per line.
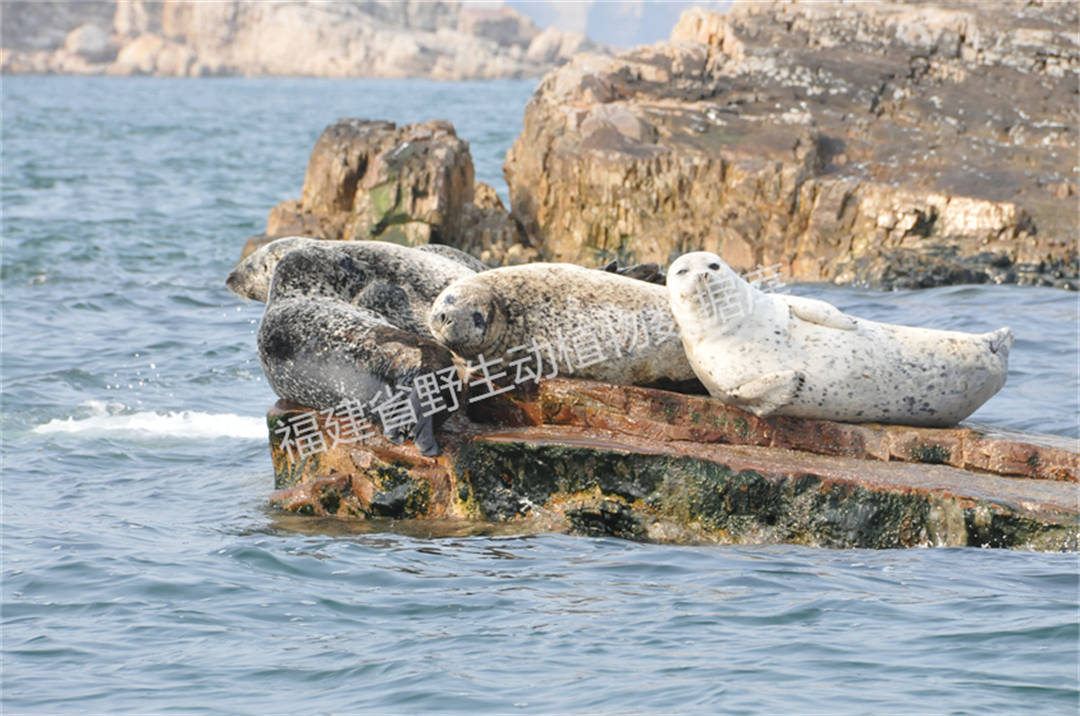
x=144 y=572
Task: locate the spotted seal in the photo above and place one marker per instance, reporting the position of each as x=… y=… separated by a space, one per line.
x=321 y=351
x=575 y=321
x=455 y=254
x=785 y=355
x=421 y=273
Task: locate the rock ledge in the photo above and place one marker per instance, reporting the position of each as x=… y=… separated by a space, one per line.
x=590 y=458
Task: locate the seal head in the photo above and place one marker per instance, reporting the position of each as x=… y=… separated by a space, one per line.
x=707 y=296
x=251 y=277
x=468 y=318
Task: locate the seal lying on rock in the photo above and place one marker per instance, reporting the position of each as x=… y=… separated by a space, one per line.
x=454 y=254
x=422 y=272
x=320 y=351
x=785 y=355
x=566 y=320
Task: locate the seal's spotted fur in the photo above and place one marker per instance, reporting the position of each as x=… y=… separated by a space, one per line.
x=630 y=321
x=419 y=273
x=319 y=350
x=785 y=355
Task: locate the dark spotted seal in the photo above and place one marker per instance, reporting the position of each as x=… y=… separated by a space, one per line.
x=575 y=321
x=321 y=351
x=785 y=355
x=454 y=254
x=422 y=274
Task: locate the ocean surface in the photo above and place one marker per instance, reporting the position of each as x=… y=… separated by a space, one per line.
x=143 y=571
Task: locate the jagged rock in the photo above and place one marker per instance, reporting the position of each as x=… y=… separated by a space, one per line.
x=370 y=179
x=373 y=38
x=140 y=56
x=411 y=185
x=888 y=143
x=501 y=24
x=597 y=459
x=553 y=46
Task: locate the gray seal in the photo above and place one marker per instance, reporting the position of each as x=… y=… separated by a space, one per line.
x=424 y=271
x=575 y=322
x=420 y=274
x=455 y=254
x=774 y=354
x=319 y=350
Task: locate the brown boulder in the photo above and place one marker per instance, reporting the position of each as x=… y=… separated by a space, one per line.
x=889 y=143
x=411 y=185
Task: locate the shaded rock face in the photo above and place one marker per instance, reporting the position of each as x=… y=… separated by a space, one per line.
x=893 y=144
x=412 y=185
x=371 y=38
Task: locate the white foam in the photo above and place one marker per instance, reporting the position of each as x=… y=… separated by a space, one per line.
x=180 y=425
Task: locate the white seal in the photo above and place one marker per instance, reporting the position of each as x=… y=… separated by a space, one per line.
x=773 y=354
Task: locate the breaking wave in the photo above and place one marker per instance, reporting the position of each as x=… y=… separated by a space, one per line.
x=184 y=424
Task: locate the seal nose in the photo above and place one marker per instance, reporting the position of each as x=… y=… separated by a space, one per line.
x=441 y=318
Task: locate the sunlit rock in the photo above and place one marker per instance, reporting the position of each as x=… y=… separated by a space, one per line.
x=887 y=143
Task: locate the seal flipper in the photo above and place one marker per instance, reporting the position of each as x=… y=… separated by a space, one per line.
x=1001 y=341
x=423 y=431
x=825 y=314
x=424 y=437
x=767 y=393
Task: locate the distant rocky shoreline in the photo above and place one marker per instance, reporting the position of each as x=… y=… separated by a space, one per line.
x=443 y=40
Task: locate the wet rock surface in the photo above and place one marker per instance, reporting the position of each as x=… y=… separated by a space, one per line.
x=896 y=144
x=595 y=459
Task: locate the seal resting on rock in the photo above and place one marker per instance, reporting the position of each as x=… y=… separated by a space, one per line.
x=567 y=320
x=784 y=355
x=321 y=351
x=422 y=272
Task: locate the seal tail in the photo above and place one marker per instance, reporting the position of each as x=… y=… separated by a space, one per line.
x=1001 y=341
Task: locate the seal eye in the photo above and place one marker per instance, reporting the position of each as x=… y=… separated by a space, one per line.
x=714 y=267
x=478 y=319
x=680 y=272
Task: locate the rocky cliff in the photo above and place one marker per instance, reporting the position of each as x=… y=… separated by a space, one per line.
x=890 y=143
x=363 y=38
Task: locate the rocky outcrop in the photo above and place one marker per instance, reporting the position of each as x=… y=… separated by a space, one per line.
x=411 y=185
x=596 y=459
x=373 y=38
x=889 y=143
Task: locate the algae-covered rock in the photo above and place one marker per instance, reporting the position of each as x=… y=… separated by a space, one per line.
x=596 y=459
